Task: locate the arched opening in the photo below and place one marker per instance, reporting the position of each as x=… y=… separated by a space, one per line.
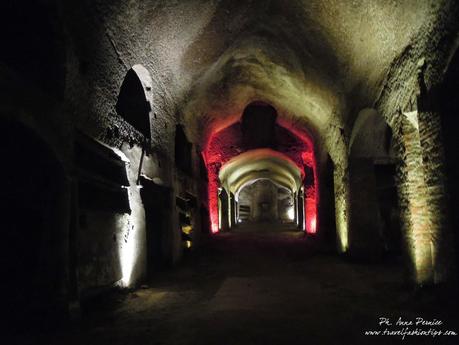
x=265 y=201
x=374 y=225
x=133 y=104
x=280 y=137
x=33 y=264
x=261 y=187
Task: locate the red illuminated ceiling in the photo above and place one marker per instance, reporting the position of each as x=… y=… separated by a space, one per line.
x=227 y=143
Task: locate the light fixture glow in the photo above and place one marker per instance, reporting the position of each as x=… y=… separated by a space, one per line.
x=127 y=259
x=291 y=213
x=132 y=227
x=129 y=243
x=312 y=226
x=341 y=216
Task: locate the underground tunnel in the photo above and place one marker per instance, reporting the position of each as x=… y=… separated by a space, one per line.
x=230 y=172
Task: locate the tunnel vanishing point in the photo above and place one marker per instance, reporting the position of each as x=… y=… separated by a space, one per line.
x=135 y=133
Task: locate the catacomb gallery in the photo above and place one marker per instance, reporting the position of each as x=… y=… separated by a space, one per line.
x=229 y=172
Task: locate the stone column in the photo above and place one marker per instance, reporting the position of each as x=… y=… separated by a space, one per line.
x=295 y=207
x=224 y=209
x=341 y=184
x=414 y=210
x=231 y=210
x=433 y=160
x=300 y=206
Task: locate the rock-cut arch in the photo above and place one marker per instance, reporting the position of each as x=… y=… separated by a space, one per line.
x=134 y=99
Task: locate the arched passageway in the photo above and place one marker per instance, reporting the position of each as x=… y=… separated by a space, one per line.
x=375 y=229
x=229 y=144
x=263 y=200
x=252 y=182
x=143 y=134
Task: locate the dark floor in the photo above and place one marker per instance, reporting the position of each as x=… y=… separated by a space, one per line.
x=262 y=288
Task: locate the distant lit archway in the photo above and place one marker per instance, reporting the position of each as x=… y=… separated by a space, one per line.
x=280 y=137
x=264 y=200
x=256 y=181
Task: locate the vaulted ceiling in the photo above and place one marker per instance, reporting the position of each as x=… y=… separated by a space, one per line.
x=318 y=62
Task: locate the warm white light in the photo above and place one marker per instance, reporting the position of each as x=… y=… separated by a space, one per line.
x=291 y=213
x=129 y=243
x=127 y=258
x=131 y=239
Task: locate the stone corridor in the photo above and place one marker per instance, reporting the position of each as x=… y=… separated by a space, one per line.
x=229 y=172
x=260 y=288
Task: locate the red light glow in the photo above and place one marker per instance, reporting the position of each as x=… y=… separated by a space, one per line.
x=312 y=226
x=225 y=143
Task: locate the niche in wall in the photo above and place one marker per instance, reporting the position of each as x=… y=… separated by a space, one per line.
x=132 y=104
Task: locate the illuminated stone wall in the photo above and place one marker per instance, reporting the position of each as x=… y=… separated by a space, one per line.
x=415 y=213
x=418 y=148
x=433 y=160
x=422 y=196
x=342 y=213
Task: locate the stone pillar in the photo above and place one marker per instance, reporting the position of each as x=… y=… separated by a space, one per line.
x=341 y=184
x=224 y=209
x=414 y=210
x=433 y=160
x=235 y=211
x=236 y=207
x=295 y=207
x=300 y=206
x=231 y=210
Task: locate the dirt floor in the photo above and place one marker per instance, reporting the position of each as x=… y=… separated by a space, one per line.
x=263 y=288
